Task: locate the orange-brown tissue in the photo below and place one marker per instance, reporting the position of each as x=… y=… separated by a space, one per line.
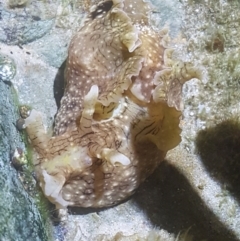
x=120 y=111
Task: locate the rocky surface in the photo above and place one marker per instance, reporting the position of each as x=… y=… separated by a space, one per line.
x=20 y=218
x=196 y=188
x=19 y=28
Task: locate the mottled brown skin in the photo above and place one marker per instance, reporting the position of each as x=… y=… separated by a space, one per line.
x=119 y=114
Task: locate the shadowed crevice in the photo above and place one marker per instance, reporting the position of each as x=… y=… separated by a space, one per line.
x=59 y=84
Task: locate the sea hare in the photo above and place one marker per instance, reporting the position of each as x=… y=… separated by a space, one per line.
x=120 y=111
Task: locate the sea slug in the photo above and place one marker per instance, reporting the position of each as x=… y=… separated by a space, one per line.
x=120 y=111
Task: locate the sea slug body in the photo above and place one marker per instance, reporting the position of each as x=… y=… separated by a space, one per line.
x=120 y=111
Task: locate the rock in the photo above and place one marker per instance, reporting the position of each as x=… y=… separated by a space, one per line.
x=22 y=26
x=20 y=218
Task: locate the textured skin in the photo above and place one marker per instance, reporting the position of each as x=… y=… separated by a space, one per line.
x=120 y=111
